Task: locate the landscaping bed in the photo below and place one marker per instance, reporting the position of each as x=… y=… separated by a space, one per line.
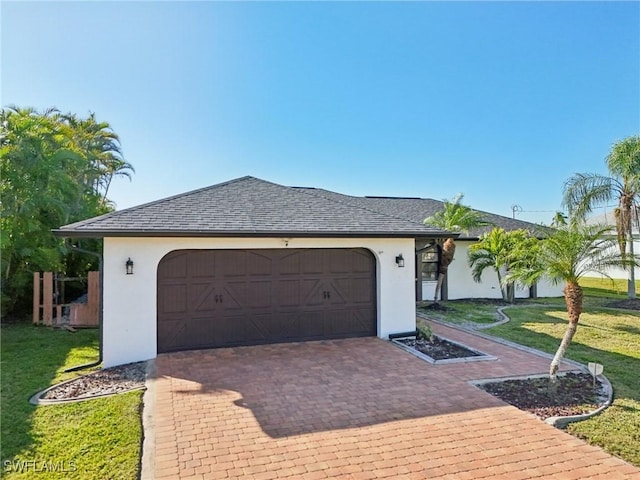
x=438 y=348
x=108 y=381
x=572 y=394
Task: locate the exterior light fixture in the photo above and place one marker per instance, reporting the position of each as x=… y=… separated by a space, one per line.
x=400 y=261
x=129 y=266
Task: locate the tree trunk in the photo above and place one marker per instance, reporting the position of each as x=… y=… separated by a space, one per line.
x=446 y=257
x=438 y=287
x=573 y=299
x=631 y=283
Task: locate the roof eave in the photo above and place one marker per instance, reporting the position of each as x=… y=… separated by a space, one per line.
x=259 y=234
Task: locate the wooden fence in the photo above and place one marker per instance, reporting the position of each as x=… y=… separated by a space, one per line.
x=47 y=310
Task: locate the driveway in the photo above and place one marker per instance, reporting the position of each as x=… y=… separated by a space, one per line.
x=358 y=408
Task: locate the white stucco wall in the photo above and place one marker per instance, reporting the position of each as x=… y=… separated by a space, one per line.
x=461 y=283
x=617 y=272
x=130 y=300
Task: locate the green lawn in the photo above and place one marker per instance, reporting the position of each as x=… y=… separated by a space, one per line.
x=96 y=439
x=607 y=336
x=463 y=311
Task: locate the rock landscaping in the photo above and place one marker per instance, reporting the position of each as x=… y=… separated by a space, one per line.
x=102 y=382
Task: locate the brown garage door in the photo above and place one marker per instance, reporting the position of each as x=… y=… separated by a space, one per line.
x=220 y=298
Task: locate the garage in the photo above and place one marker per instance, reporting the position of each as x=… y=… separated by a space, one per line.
x=223 y=298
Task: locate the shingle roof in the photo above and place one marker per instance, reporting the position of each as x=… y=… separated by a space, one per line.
x=249 y=206
x=418 y=209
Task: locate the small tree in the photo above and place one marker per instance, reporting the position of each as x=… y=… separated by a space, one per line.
x=501 y=250
x=455 y=217
x=566 y=255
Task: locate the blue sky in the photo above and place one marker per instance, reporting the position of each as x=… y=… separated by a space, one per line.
x=502 y=101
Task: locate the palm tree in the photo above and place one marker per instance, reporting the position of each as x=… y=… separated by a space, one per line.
x=500 y=250
x=100 y=146
x=559 y=219
x=455 y=217
x=566 y=255
x=584 y=191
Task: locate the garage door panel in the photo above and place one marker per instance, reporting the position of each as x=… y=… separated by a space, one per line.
x=311 y=292
x=312 y=261
x=284 y=326
x=232 y=263
x=172 y=335
x=362 y=290
x=288 y=293
x=258 y=263
x=258 y=294
x=202 y=297
x=312 y=324
x=219 y=298
x=354 y=322
x=173 y=267
x=360 y=262
x=289 y=263
x=201 y=265
x=173 y=298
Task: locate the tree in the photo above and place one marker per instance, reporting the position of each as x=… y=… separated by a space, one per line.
x=100 y=147
x=566 y=255
x=501 y=250
x=455 y=217
x=559 y=219
x=585 y=191
x=52 y=168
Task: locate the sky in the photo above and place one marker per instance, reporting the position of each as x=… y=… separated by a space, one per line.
x=501 y=101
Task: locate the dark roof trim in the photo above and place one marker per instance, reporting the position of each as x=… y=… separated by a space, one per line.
x=244 y=234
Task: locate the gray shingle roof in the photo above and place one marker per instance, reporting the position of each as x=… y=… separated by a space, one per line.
x=249 y=206
x=418 y=209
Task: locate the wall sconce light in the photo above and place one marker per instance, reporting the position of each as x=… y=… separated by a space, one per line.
x=129 y=266
x=400 y=261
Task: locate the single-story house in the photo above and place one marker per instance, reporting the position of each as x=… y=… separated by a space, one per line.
x=249 y=262
x=609 y=219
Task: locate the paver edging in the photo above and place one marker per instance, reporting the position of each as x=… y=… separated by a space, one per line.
x=557 y=421
x=148 y=450
x=502 y=341
x=482 y=356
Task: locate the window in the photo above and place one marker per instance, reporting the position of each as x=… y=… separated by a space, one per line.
x=429 y=264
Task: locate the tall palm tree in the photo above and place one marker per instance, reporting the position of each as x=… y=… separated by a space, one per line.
x=585 y=191
x=455 y=217
x=566 y=255
x=100 y=146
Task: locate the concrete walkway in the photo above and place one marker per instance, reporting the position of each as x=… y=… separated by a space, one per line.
x=357 y=408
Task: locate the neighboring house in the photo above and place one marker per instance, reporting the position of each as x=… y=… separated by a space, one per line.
x=608 y=218
x=267 y=263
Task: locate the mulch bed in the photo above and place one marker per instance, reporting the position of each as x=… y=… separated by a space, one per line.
x=438 y=349
x=573 y=394
x=102 y=382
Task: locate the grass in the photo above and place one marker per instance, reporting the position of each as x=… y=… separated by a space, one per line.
x=607 y=336
x=96 y=439
x=606 y=288
x=462 y=312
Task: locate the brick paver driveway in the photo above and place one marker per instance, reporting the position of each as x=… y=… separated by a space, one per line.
x=357 y=408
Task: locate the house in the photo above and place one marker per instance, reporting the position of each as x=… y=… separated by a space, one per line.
x=460 y=283
x=249 y=262
x=609 y=219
